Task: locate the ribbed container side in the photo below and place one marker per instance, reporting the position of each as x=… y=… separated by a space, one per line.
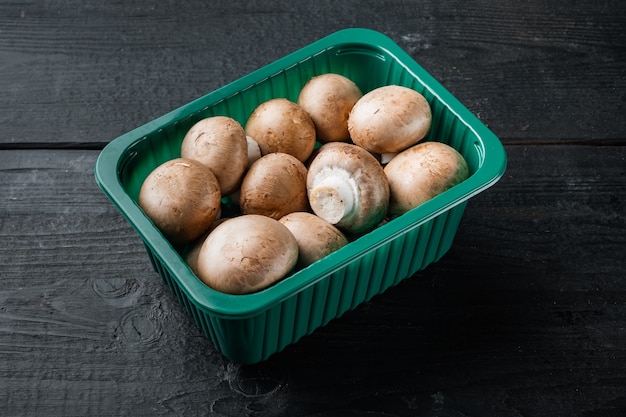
x=455 y=215
x=272 y=338
x=320 y=301
x=380 y=267
x=418 y=260
x=355 y=274
x=436 y=232
x=303 y=308
x=337 y=285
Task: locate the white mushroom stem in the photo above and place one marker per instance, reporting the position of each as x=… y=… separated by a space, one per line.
x=386 y=157
x=254 y=151
x=334 y=195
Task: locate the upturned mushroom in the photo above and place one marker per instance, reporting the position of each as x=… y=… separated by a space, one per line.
x=328 y=99
x=220 y=143
x=347 y=187
x=274 y=185
x=246 y=254
x=280 y=125
x=182 y=198
x=315 y=236
x=389 y=119
x=422 y=172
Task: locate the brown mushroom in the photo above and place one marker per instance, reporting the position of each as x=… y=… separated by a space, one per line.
x=328 y=99
x=220 y=143
x=347 y=187
x=316 y=237
x=280 y=125
x=182 y=198
x=246 y=254
x=389 y=119
x=274 y=185
x=421 y=172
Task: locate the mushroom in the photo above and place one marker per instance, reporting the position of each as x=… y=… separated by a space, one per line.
x=328 y=99
x=315 y=236
x=280 y=125
x=421 y=172
x=220 y=143
x=274 y=185
x=389 y=119
x=347 y=187
x=254 y=151
x=182 y=198
x=247 y=253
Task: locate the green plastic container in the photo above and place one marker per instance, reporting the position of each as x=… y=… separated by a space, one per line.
x=250 y=328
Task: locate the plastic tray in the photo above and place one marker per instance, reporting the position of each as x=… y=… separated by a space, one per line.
x=250 y=328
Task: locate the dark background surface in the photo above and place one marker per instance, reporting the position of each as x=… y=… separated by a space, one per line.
x=525 y=315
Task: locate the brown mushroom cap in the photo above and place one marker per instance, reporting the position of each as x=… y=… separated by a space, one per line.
x=182 y=198
x=316 y=237
x=328 y=99
x=280 y=125
x=246 y=254
x=274 y=185
x=220 y=143
x=347 y=187
x=389 y=119
x=421 y=172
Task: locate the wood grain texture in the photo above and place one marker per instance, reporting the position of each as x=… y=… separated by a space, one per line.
x=524 y=315
x=532 y=71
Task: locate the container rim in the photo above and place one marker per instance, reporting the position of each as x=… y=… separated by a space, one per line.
x=108 y=167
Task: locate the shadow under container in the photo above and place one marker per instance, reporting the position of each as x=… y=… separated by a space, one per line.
x=250 y=328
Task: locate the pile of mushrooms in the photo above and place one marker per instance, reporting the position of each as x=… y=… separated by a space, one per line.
x=305 y=177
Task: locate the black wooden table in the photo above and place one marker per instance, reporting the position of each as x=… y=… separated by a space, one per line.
x=524 y=316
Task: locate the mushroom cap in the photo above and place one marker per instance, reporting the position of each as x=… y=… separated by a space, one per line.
x=421 y=172
x=316 y=237
x=182 y=198
x=389 y=119
x=328 y=99
x=220 y=143
x=274 y=185
x=357 y=170
x=280 y=125
x=246 y=254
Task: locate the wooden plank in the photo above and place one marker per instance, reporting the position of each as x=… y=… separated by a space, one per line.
x=524 y=316
x=85 y=74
